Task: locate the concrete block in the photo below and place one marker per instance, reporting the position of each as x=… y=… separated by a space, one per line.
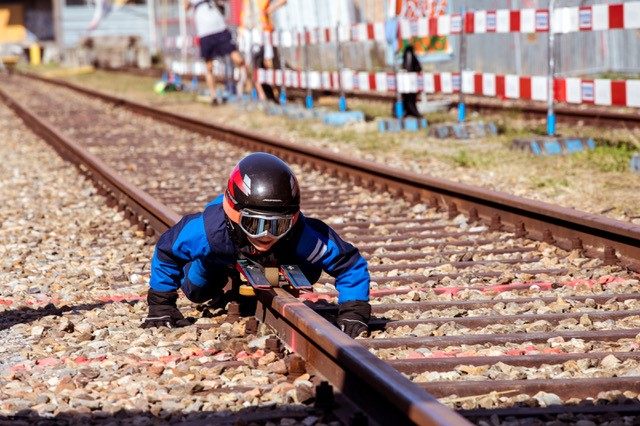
x=410 y=124
x=467 y=130
x=635 y=163
x=298 y=113
x=554 y=145
x=460 y=131
x=389 y=125
x=491 y=128
x=476 y=129
x=441 y=131
x=342 y=118
x=573 y=145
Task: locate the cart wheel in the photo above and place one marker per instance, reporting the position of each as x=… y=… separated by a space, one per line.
x=273 y=275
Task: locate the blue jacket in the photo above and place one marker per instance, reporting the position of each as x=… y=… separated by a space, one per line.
x=204 y=239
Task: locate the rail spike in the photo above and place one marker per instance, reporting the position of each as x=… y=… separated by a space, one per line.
x=576 y=244
x=610 y=257
x=473 y=215
x=453 y=210
x=496 y=223
x=547 y=237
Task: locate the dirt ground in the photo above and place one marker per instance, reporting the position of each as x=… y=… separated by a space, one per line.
x=597 y=181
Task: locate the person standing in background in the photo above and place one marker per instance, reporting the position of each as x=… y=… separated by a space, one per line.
x=257 y=15
x=215 y=39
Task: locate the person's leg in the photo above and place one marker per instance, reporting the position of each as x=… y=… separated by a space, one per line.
x=257 y=64
x=239 y=62
x=210 y=78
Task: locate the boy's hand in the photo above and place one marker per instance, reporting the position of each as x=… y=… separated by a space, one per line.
x=163 y=311
x=353 y=317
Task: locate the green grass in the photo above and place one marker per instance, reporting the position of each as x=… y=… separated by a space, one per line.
x=540 y=182
x=607 y=158
x=472 y=160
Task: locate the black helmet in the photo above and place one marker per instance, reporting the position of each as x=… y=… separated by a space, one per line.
x=262 y=182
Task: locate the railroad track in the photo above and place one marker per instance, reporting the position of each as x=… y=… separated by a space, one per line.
x=592 y=115
x=512 y=305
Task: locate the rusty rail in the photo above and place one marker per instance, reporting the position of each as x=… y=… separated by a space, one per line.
x=376 y=388
x=614 y=241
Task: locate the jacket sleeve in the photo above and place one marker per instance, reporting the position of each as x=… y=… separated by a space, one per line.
x=179 y=245
x=321 y=246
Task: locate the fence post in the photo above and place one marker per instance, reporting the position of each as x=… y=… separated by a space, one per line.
x=283 y=90
x=342 y=101
x=551 y=117
x=463 y=64
x=308 y=100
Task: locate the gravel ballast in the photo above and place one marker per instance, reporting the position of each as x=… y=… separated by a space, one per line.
x=72 y=289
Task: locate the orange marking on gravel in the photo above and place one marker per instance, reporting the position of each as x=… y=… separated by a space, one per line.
x=242 y=355
x=466 y=353
x=443 y=354
x=453 y=291
x=48 y=362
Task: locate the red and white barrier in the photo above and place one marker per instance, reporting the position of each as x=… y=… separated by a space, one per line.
x=526 y=21
x=531 y=88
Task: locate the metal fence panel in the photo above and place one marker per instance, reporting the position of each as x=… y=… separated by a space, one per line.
x=128 y=20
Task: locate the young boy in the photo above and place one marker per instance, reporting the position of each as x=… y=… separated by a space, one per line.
x=215 y=39
x=258 y=218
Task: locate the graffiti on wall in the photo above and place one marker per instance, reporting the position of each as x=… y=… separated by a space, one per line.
x=430 y=47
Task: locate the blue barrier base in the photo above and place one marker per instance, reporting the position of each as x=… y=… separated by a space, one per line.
x=300 y=112
x=341 y=118
x=553 y=145
x=634 y=164
x=466 y=130
x=410 y=124
x=294 y=111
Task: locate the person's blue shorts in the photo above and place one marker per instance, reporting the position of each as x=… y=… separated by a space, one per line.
x=216 y=45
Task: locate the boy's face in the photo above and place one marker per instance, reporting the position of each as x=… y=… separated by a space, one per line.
x=263 y=243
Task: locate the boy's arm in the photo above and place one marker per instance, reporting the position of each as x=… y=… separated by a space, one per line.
x=181 y=244
x=321 y=245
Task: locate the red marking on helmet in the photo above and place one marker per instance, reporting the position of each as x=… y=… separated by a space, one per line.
x=237 y=179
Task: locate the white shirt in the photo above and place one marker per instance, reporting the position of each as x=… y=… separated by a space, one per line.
x=208 y=18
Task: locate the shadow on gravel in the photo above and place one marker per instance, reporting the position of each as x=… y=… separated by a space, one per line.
x=246 y=416
x=26 y=315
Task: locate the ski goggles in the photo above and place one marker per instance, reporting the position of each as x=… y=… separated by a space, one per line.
x=256 y=224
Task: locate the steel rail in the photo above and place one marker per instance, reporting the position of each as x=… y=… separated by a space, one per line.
x=377 y=389
x=614 y=241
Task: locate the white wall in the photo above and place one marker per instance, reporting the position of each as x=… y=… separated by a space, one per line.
x=128 y=20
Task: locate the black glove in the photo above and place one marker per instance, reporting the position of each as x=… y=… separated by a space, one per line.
x=163 y=311
x=353 y=317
